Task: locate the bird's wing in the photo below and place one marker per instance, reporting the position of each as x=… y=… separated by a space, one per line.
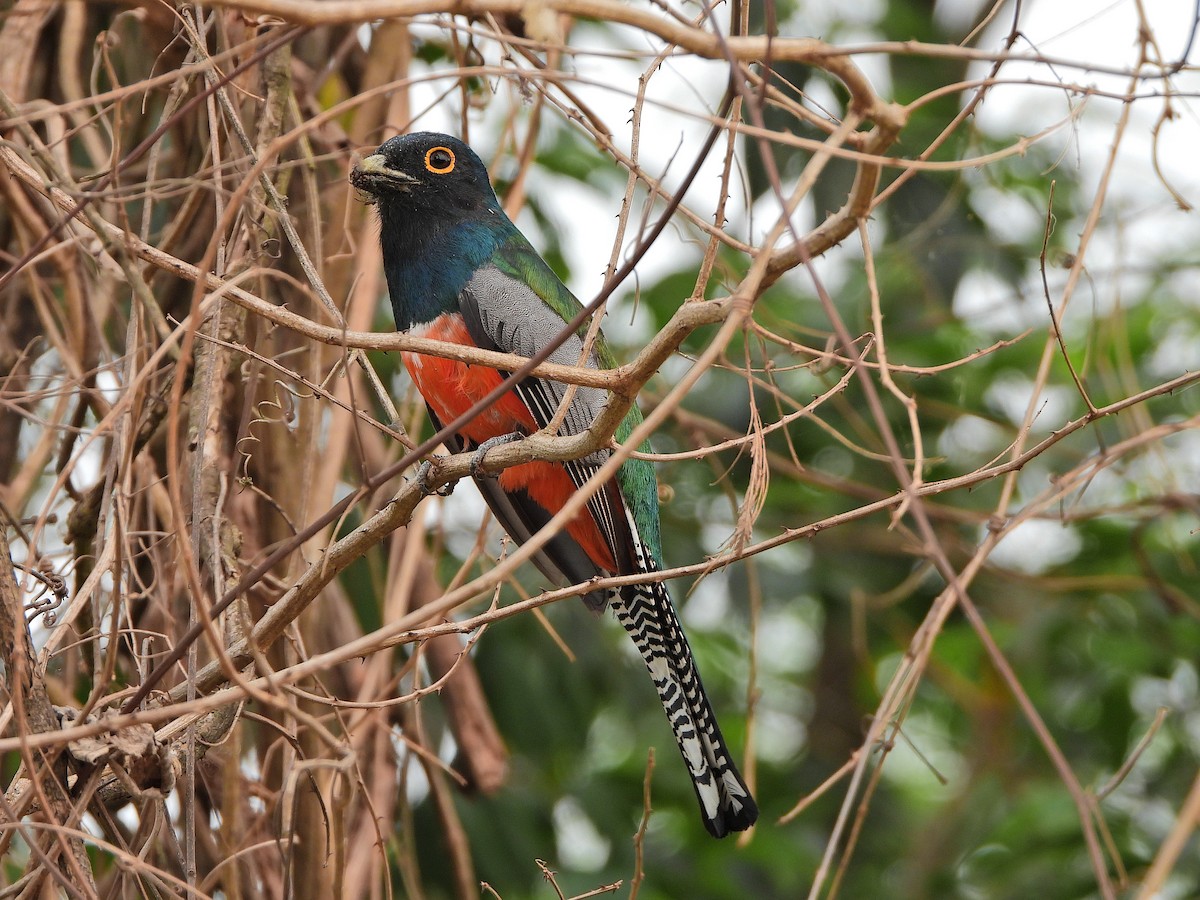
x=561 y=559
x=505 y=313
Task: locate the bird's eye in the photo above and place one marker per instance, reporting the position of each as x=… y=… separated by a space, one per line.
x=440 y=160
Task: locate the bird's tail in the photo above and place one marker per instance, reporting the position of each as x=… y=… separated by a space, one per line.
x=647 y=614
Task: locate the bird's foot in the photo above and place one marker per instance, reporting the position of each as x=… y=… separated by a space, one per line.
x=424 y=477
x=477 y=469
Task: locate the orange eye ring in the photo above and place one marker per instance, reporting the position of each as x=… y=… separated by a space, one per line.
x=440 y=160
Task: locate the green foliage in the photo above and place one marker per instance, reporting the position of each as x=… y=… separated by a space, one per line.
x=1089 y=595
x=1091 y=635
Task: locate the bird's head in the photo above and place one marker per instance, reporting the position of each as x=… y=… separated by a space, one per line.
x=426 y=172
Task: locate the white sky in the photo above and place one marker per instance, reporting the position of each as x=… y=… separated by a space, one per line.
x=1141 y=221
x=1083 y=33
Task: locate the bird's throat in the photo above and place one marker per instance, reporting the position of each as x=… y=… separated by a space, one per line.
x=430 y=257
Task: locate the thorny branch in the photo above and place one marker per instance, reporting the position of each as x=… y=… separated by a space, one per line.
x=194 y=363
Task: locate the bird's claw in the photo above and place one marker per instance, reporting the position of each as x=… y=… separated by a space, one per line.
x=477 y=469
x=424 y=478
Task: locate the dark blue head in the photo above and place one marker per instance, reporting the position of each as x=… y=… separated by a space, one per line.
x=439 y=220
x=427 y=173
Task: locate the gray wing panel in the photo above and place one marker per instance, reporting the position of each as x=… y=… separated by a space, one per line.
x=505 y=314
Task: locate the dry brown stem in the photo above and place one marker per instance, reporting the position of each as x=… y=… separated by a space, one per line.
x=188 y=353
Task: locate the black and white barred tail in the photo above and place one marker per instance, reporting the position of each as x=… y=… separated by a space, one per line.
x=647 y=614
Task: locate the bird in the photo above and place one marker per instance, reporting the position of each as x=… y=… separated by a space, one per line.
x=459 y=270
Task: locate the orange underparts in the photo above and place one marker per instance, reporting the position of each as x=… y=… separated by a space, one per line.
x=451 y=388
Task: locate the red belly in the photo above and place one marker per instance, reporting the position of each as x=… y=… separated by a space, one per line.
x=451 y=388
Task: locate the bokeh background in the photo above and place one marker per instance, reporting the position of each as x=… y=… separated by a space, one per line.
x=1034 y=731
